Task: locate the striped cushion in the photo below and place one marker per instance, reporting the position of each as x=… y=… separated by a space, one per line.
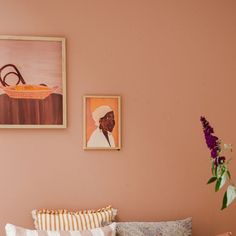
x=12 y=230
x=65 y=220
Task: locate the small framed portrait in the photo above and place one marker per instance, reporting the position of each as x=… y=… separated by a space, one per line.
x=102 y=122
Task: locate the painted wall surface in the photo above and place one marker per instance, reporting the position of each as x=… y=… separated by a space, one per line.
x=171 y=61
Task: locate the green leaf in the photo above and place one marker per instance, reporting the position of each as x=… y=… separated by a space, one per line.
x=222 y=169
x=224 y=204
x=231 y=194
x=217 y=186
x=213 y=168
x=212 y=179
x=216 y=171
x=229 y=175
x=223 y=180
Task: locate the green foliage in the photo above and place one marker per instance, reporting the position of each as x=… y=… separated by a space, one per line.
x=229 y=196
x=221 y=176
x=212 y=179
x=224 y=204
x=218 y=183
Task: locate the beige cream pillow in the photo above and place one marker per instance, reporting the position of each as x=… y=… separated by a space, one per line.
x=12 y=230
x=67 y=220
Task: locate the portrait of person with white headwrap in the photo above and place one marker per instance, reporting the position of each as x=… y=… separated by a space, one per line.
x=103 y=118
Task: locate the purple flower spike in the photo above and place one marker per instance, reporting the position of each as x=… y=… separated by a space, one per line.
x=211 y=141
x=214 y=152
x=205 y=123
x=220 y=172
x=208 y=130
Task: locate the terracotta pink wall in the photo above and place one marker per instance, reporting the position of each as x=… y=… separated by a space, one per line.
x=171 y=61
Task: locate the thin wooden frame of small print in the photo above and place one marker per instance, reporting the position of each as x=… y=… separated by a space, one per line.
x=32 y=82
x=102 y=123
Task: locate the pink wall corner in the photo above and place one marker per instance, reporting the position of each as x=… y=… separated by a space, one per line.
x=171 y=61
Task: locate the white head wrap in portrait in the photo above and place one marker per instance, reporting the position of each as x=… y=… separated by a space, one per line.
x=100 y=112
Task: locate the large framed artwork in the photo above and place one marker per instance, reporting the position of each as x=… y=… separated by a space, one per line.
x=32 y=82
x=102 y=122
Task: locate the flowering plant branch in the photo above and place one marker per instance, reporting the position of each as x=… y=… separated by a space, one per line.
x=219 y=167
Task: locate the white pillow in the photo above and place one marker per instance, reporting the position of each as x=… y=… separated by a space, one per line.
x=12 y=230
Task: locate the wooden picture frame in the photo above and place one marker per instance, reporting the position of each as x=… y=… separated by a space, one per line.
x=102 y=122
x=32 y=82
